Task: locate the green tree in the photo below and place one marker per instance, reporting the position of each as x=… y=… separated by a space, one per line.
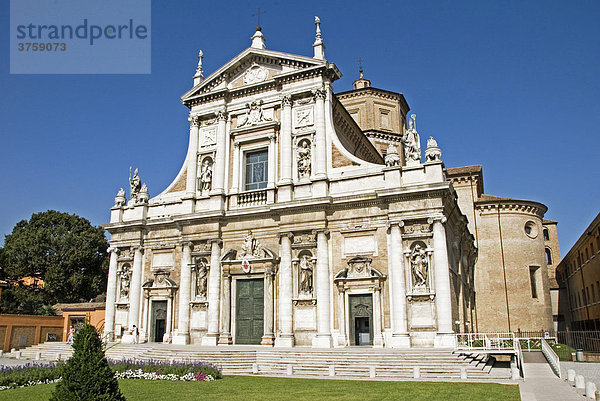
x=87 y=376
x=64 y=250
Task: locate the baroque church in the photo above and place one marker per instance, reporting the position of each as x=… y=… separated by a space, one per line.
x=304 y=217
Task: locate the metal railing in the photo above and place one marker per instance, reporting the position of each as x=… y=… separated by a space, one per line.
x=486 y=341
x=551 y=357
x=519 y=357
x=585 y=340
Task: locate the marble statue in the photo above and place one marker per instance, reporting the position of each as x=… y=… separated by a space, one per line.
x=303 y=155
x=206 y=174
x=419 y=266
x=306 y=275
x=251 y=248
x=412 y=144
x=125 y=283
x=135 y=185
x=201 y=280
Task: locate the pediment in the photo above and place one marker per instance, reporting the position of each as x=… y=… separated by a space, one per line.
x=252 y=67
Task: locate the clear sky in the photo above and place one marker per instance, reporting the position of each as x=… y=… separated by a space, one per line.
x=511 y=85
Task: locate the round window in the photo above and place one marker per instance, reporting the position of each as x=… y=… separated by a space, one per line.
x=531 y=229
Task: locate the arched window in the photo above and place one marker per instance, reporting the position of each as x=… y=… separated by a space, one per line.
x=548 y=256
x=546 y=235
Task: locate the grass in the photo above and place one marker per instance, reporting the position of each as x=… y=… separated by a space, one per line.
x=246 y=388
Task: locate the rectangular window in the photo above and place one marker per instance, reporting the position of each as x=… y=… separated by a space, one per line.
x=256 y=169
x=532 y=279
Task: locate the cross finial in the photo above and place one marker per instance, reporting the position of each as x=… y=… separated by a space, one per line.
x=360 y=69
x=257 y=15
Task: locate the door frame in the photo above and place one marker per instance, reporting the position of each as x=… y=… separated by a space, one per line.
x=351 y=324
x=233 y=316
x=152 y=320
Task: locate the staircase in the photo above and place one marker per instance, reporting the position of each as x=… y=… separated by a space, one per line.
x=349 y=363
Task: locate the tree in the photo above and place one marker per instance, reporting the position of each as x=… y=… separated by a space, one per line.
x=64 y=250
x=87 y=376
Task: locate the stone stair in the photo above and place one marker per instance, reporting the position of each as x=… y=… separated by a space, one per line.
x=356 y=363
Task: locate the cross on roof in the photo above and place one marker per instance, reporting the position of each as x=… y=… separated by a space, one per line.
x=360 y=69
x=257 y=14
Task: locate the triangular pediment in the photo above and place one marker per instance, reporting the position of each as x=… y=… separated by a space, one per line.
x=252 y=67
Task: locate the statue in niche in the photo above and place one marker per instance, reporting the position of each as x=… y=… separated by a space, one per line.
x=412 y=143
x=420 y=266
x=135 y=184
x=201 y=279
x=251 y=248
x=206 y=174
x=303 y=155
x=125 y=282
x=392 y=157
x=306 y=275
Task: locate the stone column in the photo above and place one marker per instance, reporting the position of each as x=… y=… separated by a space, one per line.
x=268 y=337
x=320 y=168
x=400 y=337
x=271 y=163
x=214 y=293
x=444 y=337
x=377 y=318
x=185 y=284
x=286 y=140
x=136 y=287
x=111 y=295
x=219 y=177
x=342 y=339
x=286 y=336
x=323 y=337
x=192 y=162
x=225 y=337
x=235 y=179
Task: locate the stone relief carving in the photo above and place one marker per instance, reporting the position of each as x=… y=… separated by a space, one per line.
x=208 y=137
x=120 y=199
x=307 y=239
x=306 y=274
x=206 y=172
x=201 y=278
x=304 y=117
x=419 y=264
x=392 y=157
x=412 y=144
x=252 y=248
x=254 y=115
x=303 y=158
x=255 y=74
x=417 y=229
x=432 y=152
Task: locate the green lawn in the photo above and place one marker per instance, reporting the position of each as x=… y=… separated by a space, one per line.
x=247 y=388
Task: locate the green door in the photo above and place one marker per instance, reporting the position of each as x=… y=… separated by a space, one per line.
x=249 y=314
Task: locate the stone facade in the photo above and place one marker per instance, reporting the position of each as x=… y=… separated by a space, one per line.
x=578 y=276
x=299 y=217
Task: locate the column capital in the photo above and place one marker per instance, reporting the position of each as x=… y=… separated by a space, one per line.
x=135 y=248
x=320 y=93
x=112 y=249
x=392 y=223
x=194 y=121
x=236 y=144
x=288 y=234
x=321 y=230
x=222 y=115
x=187 y=243
x=271 y=138
x=286 y=100
x=217 y=241
x=437 y=219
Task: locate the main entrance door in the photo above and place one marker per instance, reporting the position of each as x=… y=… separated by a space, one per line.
x=249 y=314
x=158 y=322
x=361 y=319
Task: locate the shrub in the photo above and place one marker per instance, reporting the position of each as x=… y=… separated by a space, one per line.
x=87 y=376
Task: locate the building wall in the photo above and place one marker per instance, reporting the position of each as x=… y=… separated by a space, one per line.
x=31 y=329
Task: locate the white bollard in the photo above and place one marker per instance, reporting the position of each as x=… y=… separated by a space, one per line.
x=514 y=372
x=1 y=353
x=331 y=370
x=18 y=355
x=590 y=390
x=463 y=373
x=58 y=356
x=13 y=350
x=372 y=372
x=290 y=370
x=38 y=355
x=255 y=368
x=579 y=382
x=416 y=372
x=571 y=375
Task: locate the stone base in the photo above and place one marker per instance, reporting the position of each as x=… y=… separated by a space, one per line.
x=285 y=341
x=267 y=340
x=225 y=339
x=284 y=193
x=319 y=188
x=322 y=341
x=444 y=340
x=210 y=340
x=378 y=341
x=399 y=341
x=181 y=339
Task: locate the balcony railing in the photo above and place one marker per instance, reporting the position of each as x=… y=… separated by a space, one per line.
x=254 y=198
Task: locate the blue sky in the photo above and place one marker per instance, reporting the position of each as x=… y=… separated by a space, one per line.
x=511 y=85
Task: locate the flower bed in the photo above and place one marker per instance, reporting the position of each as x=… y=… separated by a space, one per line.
x=165 y=367
x=141 y=374
x=29 y=374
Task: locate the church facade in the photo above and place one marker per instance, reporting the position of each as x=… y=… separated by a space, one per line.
x=299 y=217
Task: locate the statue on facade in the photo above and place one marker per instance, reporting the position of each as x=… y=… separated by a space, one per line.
x=125 y=283
x=254 y=115
x=135 y=185
x=392 y=157
x=412 y=144
x=433 y=151
x=201 y=279
x=120 y=199
x=251 y=248
x=306 y=275
x=206 y=174
x=303 y=155
x=420 y=266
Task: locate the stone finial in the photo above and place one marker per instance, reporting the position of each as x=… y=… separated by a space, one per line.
x=198 y=77
x=120 y=199
x=319 y=46
x=432 y=152
x=392 y=157
x=258 y=39
x=143 y=196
